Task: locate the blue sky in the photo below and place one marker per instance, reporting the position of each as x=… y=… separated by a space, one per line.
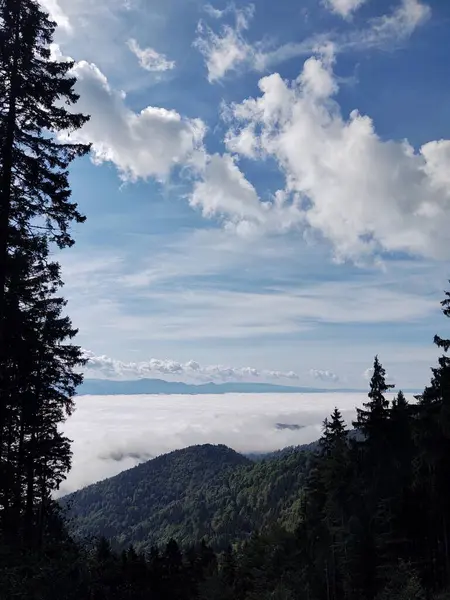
x=268 y=192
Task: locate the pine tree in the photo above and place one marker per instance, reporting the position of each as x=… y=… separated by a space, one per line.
x=334 y=434
x=335 y=475
x=432 y=464
x=37 y=377
x=400 y=503
x=371 y=456
x=42 y=361
x=372 y=418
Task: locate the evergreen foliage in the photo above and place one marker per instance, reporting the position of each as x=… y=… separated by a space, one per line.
x=357 y=517
x=37 y=359
x=203 y=492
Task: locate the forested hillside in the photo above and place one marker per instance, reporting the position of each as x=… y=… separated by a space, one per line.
x=360 y=517
x=203 y=492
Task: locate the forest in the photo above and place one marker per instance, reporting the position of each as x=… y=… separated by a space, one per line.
x=358 y=517
x=202 y=493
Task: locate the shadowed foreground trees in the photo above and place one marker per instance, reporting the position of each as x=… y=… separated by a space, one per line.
x=371 y=519
x=37 y=358
x=372 y=522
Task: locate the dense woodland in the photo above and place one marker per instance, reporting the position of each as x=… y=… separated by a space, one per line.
x=363 y=517
x=209 y=493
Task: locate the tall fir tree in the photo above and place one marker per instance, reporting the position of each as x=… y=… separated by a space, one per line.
x=37 y=377
x=432 y=465
x=371 y=455
x=371 y=419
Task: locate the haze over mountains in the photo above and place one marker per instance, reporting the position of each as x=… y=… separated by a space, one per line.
x=106 y=387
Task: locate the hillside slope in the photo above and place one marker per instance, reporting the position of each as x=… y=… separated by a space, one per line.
x=206 y=491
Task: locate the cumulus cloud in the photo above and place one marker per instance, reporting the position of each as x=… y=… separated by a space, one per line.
x=113 y=433
x=223 y=191
x=326 y=376
x=116 y=369
x=361 y=193
x=149 y=143
x=150 y=59
x=344 y=8
x=342 y=182
x=227 y=50
x=57 y=14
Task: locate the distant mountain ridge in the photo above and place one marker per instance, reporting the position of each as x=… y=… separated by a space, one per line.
x=107 y=387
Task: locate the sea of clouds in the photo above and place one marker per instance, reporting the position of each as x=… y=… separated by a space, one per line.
x=114 y=433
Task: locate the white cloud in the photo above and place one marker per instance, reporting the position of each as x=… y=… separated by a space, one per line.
x=178 y=300
x=113 y=433
x=149 y=143
x=367 y=374
x=384 y=32
x=326 y=376
x=150 y=59
x=393 y=28
x=227 y=50
x=222 y=299
x=116 y=369
x=57 y=14
x=223 y=191
x=216 y=13
x=344 y=8
x=364 y=195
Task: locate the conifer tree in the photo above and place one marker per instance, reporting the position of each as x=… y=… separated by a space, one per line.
x=35 y=90
x=372 y=418
x=399 y=503
x=334 y=467
x=37 y=377
x=432 y=464
x=371 y=457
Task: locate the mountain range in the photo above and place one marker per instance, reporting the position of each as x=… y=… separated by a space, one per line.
x=107 y=387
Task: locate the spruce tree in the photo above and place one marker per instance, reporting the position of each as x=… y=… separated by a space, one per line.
x=35 y=90
x=37 y=363
x=371 y=457
x=432 y=464
x=371 y=419
x=334 y=467
x=401 y=505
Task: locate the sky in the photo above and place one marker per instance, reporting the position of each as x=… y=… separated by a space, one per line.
x=114 y=433
x=268 y=190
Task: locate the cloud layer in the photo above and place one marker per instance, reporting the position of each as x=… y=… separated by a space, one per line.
x=116 y=369
x=113 y=433
x=230 y=50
